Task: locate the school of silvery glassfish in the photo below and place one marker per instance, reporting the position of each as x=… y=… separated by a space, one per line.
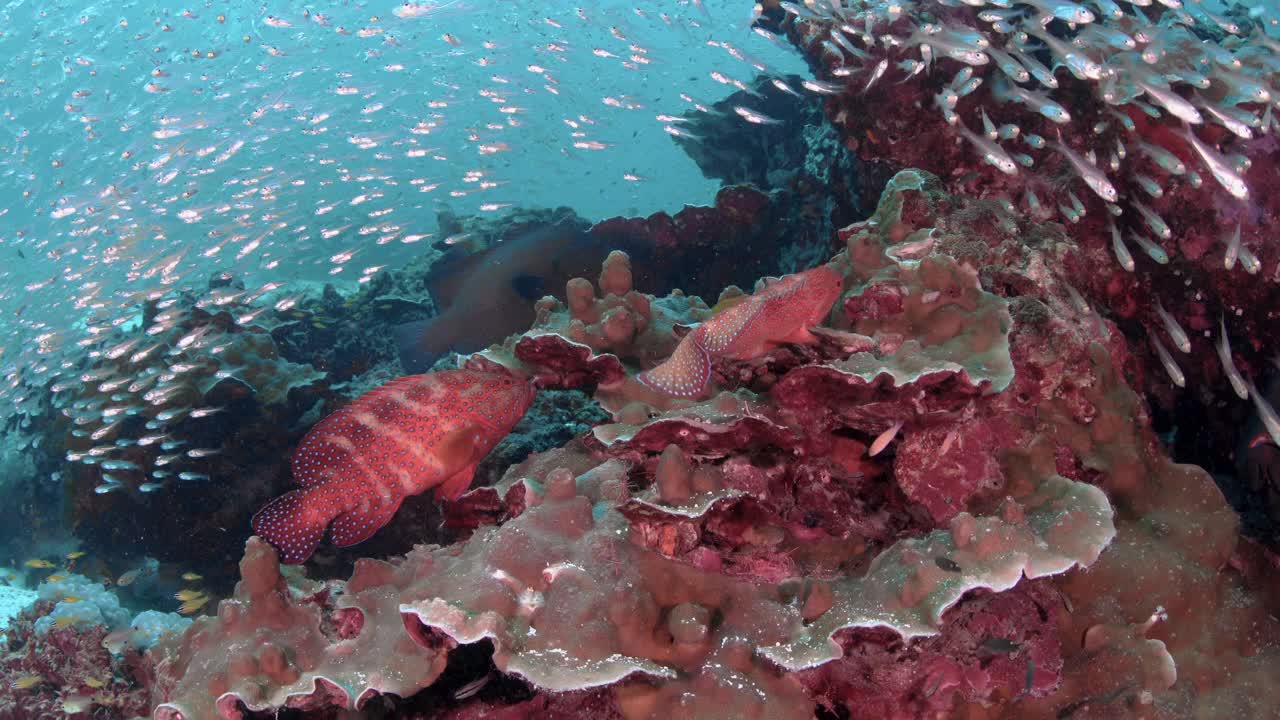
x=1195 y=74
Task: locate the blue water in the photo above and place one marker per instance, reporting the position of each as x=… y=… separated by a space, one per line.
x=138 y=134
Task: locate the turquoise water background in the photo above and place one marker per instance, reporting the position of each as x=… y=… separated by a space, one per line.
x=146 y=145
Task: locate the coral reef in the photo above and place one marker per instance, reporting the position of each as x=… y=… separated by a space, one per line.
x=80 y=603
x=798 y=159
x=572 y=604
x=1147 y=132
x=66 y=671
x=892 y=521
x=957 y=401
x=149 y=626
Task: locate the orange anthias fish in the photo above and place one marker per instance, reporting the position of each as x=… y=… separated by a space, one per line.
x=411 y=435
x=781 y=312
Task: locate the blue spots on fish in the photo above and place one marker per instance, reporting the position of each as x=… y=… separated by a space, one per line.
x=290 y=524
x=685 y=374
x=410 y=435
x=357 y=525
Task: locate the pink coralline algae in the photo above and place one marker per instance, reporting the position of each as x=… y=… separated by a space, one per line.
x=585 y=339
x=1019 y=547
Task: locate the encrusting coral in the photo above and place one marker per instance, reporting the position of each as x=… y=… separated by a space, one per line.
x=277 y=644
x=895 y=519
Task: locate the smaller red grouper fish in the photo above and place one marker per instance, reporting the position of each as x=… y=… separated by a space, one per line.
x=780 y=312
x=408 y=436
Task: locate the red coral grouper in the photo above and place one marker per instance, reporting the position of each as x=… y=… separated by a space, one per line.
x=780 y=312
x=408 y=436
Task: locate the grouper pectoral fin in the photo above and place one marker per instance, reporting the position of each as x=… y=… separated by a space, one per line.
x=460 y=449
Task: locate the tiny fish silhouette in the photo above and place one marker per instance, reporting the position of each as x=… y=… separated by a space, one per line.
x=411 y=435
x=780 y=312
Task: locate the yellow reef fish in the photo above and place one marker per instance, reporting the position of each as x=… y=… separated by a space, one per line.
x=188 y=595
x=94 y=683
x=76 y=555
x=38 y=564
x=193 y=605
x=26 y=682
x=192 y=577
x=71 y=599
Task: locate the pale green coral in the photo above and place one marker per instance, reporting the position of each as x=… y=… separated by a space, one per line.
x=948 y=323
x=907 y=589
